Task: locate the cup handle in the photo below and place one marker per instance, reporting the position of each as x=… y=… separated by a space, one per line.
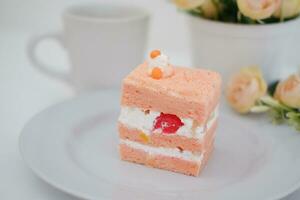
x=40 y=65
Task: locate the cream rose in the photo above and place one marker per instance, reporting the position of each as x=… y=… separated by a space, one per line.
x=288 y=8
x=258 y=9
x=288 y=91
x=188 y=4
x=245 y=88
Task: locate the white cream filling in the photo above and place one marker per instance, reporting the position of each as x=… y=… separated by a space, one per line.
x=136 y=118
x=170 y=152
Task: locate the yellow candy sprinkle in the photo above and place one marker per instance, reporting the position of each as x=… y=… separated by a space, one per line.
x=144 y=137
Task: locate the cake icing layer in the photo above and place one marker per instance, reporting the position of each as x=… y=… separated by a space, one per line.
x=168 y=141
x=136 y=118
x=170 y=152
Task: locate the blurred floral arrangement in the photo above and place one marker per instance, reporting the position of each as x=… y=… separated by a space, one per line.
x=247 y=92
x=242 y=11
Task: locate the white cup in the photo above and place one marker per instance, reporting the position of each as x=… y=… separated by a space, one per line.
x=104 y=42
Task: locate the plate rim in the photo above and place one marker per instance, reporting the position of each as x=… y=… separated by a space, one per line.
x=31 y=166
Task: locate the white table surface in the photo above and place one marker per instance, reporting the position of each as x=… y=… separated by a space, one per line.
x=23 y=93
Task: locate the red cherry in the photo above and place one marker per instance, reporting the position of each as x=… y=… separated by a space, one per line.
x=168 y=123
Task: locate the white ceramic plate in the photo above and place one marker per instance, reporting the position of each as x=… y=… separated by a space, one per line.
x=74 y=147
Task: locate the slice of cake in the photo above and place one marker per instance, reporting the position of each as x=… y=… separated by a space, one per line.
x=169 y=115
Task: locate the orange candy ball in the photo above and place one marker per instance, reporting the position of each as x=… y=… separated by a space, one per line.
x=156 y=73
x=154 y=53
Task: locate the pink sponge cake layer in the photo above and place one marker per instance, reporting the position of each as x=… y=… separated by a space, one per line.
x=170 y=141
x=189 y=93
x=192 y=168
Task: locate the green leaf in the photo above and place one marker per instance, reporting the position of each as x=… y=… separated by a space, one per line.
x=294 y=115
x=228 y=11
x=277 y=116
x=278 y=112
x=293 y=119
x=270 y=101
x=259 y=109
x=272 y=87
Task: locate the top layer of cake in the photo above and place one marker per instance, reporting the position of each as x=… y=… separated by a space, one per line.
x=192 y=93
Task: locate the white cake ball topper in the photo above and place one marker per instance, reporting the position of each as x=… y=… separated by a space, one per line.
x=158 y=65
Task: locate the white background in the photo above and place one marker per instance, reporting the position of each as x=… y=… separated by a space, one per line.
x=24 y=91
